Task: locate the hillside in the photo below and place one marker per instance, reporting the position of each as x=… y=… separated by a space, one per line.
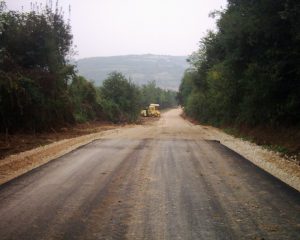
x=167 y=71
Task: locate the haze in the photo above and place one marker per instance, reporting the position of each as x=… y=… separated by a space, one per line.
x=121 y=27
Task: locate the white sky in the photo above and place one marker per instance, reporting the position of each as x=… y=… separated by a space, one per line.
x=120 y=27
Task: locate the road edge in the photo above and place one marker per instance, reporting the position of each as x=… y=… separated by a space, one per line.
x=270 y=161
x=285 y=170
x=280 y=168
x=16 y=165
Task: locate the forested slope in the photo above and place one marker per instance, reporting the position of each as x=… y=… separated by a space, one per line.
x=167 y=71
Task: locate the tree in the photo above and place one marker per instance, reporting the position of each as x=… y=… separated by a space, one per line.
x=34 y=70
x=247 y=72
x=85 y=99
x=121 y=99
x=153 y=94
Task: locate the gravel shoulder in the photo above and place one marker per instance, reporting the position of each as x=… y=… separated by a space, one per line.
x=286 y=170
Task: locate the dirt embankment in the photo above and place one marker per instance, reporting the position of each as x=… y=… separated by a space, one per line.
x=20 y=142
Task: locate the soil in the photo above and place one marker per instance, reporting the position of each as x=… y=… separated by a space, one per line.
x=20 y=142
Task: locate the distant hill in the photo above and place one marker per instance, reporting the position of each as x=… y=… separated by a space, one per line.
x=167 y=71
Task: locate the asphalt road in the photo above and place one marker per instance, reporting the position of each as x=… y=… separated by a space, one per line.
x=163 y=181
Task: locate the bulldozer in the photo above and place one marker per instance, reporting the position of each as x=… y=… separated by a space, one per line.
x=151 y=111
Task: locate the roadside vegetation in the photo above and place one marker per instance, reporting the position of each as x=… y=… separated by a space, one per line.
x=245 y=75
x=39 y=87
x=34 y=70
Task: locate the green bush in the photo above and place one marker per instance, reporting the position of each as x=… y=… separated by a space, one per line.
x=85 y=99
x=121 y=99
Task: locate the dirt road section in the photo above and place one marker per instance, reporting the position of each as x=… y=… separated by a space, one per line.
x=171 y=180
x=18 y=164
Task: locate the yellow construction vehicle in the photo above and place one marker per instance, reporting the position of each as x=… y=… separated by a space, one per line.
x=151 y=111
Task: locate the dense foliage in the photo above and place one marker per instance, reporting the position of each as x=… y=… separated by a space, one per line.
x=85 y=99
x=120 y=98
x=34 y=72
x=247 y=72
x=153 y=94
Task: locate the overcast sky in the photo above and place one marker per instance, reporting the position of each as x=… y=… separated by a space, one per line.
x=120 y=27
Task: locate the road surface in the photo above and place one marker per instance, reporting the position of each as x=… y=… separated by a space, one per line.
x=164 y=181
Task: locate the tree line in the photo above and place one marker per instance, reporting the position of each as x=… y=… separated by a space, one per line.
x=40 y=88
x=247 y=72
